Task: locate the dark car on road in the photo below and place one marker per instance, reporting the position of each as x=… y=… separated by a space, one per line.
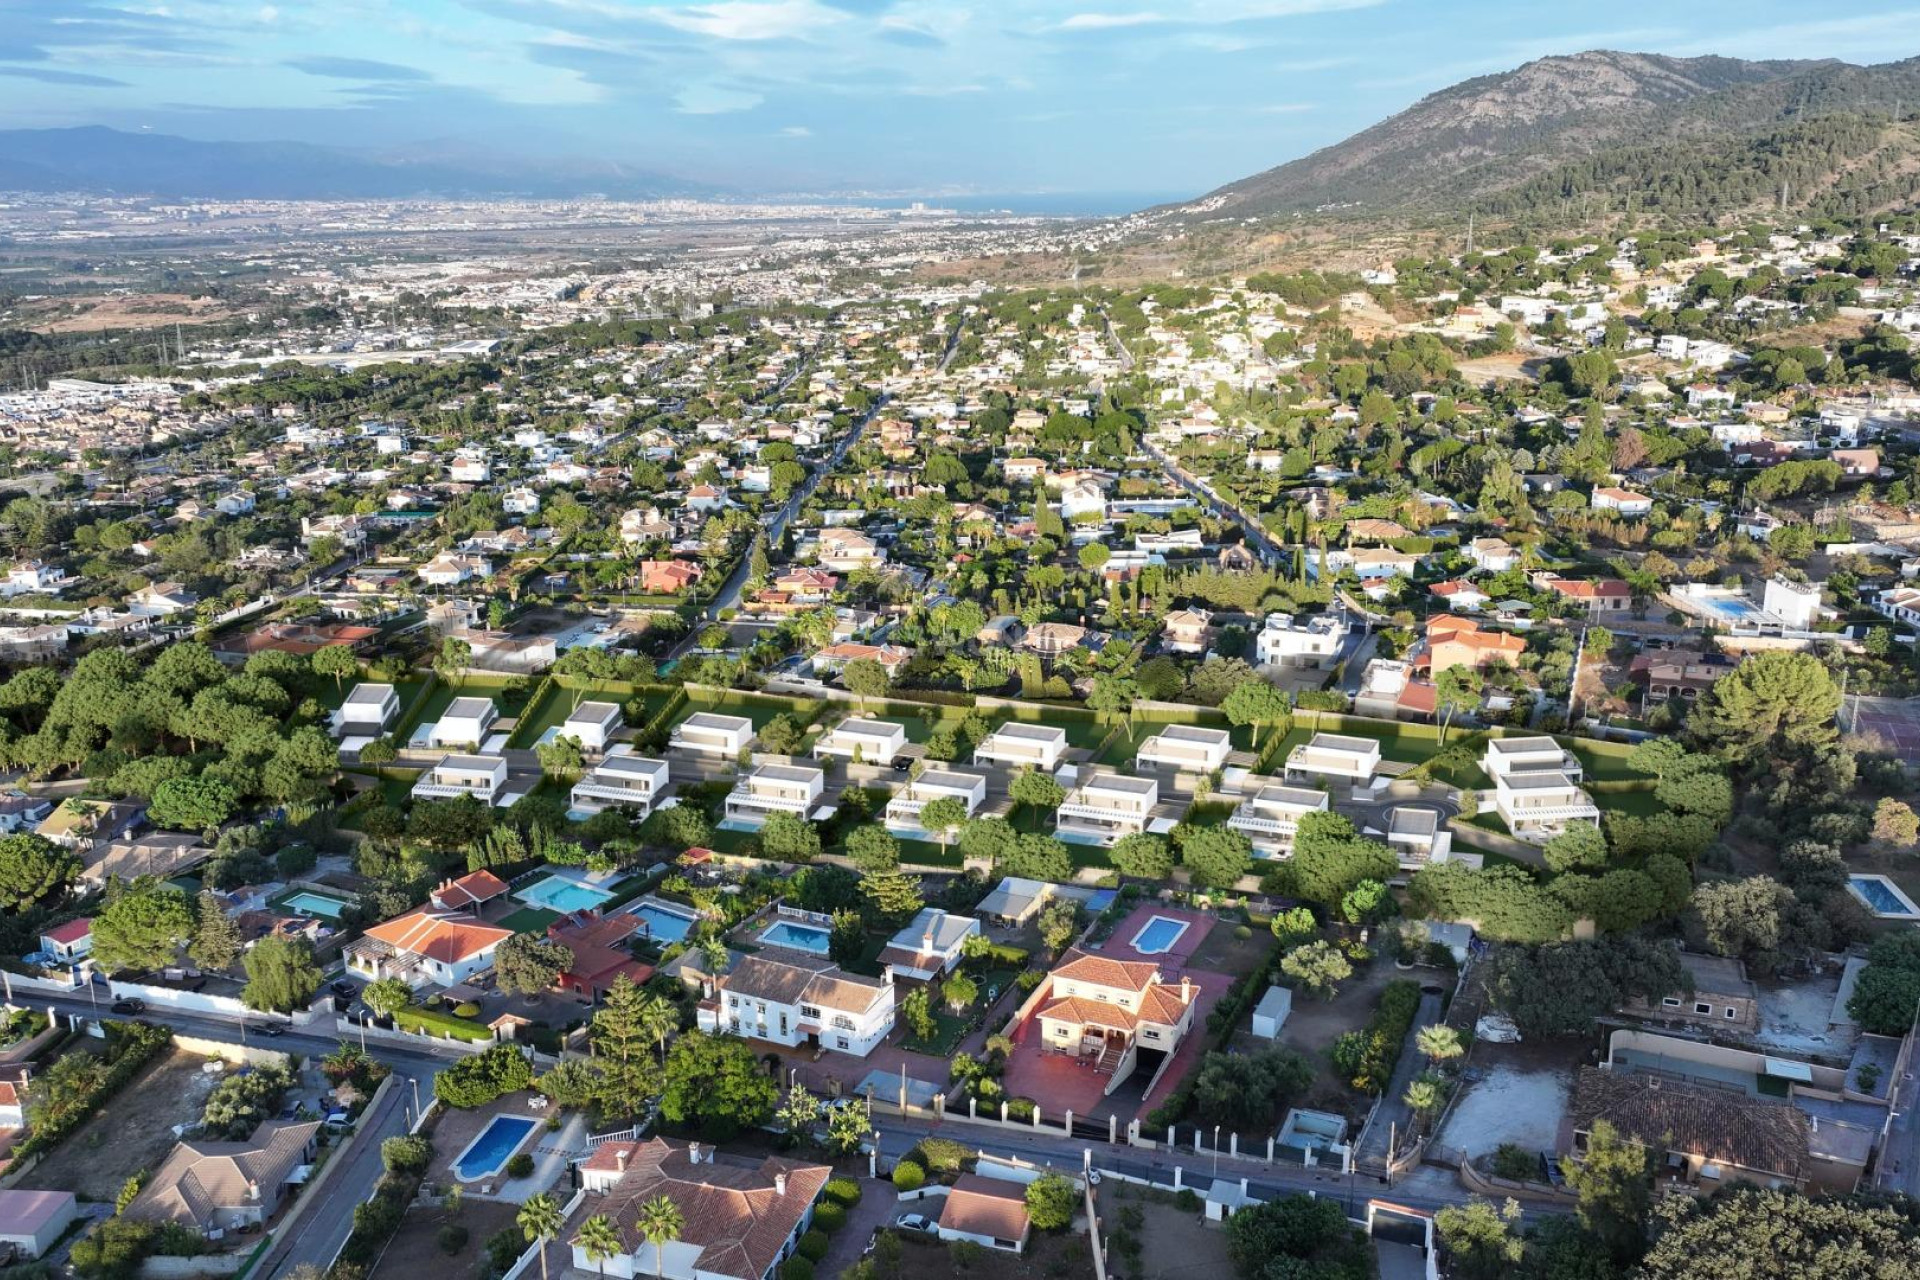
x=130 y=1005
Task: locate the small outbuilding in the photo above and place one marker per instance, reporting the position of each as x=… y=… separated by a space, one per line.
x=33 y=1221
x=1271 y=1014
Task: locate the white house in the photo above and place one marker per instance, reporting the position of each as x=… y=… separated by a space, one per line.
x=593 y=723
x=775 y=788
x=930 y=946
x=869 y=741
x=1188 y=748
x=1622 y=502
x=32 y=1222
x=903 y=810
x=1270 y=816
x=625 y=781
x=449 y=570
x=426 y=947
x=1417 y=837
x=989 y=1212
x=368 y=711
x=465 y=723
x=792 y=999
x=1105 y=808
x=1537 y=787
x=1314 y=642
x=1493 y=555
x=1039 y=746
x=1336 y=756
x=709 y=734
x=1797 y=604
x=482 y=777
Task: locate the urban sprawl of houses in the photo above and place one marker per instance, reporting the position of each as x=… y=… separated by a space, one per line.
x=749 y=761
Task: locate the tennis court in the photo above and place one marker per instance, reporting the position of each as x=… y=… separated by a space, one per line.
x=1896 y=720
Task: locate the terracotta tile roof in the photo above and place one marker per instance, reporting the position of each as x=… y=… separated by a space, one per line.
x=1089 y=1013
x=735 y=1209
x=1672 y=1115
x=1099 y=971
x=438 y=936
x=986 y=1207
x=470 y=890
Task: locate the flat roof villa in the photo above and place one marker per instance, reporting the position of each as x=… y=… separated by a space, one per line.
x=1417 y=837
x=1536 y=787
x=868 y=741
x=465 y=723
x=368 y=712
x=771 y=789
x=625 y=781
x=1270 y=816
x=482 y=777
x=712 y=735
x=593 y=723
x=1105 y=808
x=1037 y=745
x=903 y=810
x=1334 y=755
x=1188 y=748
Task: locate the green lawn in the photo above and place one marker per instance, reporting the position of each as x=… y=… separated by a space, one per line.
x=551 y=711
x=1638 y=802
x=528 y=920
x=758 y=709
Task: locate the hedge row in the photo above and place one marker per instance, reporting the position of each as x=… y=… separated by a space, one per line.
x=1385 y=1033
x=138 y=1044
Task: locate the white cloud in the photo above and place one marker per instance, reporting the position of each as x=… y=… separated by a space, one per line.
x=796 y=131
x=714 y=100
x=753 y=19
x=1106 y=21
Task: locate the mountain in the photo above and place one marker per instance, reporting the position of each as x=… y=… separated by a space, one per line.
x=105 y=161
x=1566 y=137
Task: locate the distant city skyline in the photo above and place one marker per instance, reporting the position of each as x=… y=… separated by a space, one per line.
x=933 y=96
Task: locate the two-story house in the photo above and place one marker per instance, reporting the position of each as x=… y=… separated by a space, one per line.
x=594 y=724
x=1111 y=1012
x=368 y=711
x=426 y=948
x=623 y=781
x=775 y=788
x=1308 y=643
x=482 y=777
x=1037 y=746
x=903 y=809
x=792 y=999
x=1537 y=787
x=869 y=741
x=1106 y=807
x=1188 y=748
x=1270 y=816
x=710 y=734
x=465 y=723
x=1334 y=757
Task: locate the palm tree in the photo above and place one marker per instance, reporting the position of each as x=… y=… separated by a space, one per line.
x=539 y=1221
x=660 y=1220
x=598 y=1240
x=1439 y=1042
x=1424 y=1096
x=659 y=1017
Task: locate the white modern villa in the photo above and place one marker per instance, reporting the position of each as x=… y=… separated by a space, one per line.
x=1536 y=787
x=627 y=782
x=1188 y=748
x=369 y=711
x=594 y=724
x=1106 y=807
x=482 y=777
x=868 y=741
x=1270 y=816
x=903 y=810
x=1285 y=641
x=1037 y=746
x=465 y=723
x=709 y=734
x=1418 y=837
x=1336 y=757
x=775 y=788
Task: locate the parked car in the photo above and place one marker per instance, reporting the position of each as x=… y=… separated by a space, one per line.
x=917 y=1222
x=268 y=1029
x=132 y=1004
x=342 y=987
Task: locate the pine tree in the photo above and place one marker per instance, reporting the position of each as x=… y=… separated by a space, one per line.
x=216 y=938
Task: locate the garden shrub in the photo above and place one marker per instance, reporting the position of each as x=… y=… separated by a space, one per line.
x=796 y=1268
x=520 y=1166
x=843 y=1191
x=813 y=1246
x=476 y=1081
x=829 y=1217
x=452 y=1238
x=944 y=1155
x=908 y=1176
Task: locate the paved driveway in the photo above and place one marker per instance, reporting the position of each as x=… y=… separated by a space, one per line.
x=875 y=1210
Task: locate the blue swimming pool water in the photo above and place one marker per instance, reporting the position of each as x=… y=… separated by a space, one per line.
x=799 y=937
x=1158 y=935
x=660 y=924
x=1730 y=607
x=488 y=1153
x=1077 y=837
x=315 y=904
x=1877 y=895
x=558 y=894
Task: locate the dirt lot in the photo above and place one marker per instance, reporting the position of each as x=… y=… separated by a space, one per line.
x=1315 y=1024
x=1055 y=1257
x=1235 y=957
x=1173 y=1242
x=415 y=1251
x=152 y=310
x=133 y=1132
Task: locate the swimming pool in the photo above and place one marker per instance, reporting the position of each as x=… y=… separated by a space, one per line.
x=1883 y=897
x=315 y=904
x=556 y=893
x=661 y=922
x=798 y=937
x=1158 y=935
x=1733 y=608
x=492 y=1147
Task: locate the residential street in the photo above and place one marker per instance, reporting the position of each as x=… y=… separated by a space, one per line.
x=321 y=1231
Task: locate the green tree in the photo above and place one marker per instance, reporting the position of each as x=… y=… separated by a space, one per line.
x=1036 y=790
x=216 y=938
x=282 y=974
x=1051 y=1199
x=386 y=996
x=1484 y=1242
x=34 y=872
x=336 y=660
x=1456 y=689
x=453 y=659
x=599 y=1241
x=563 y=758
x=873 y=848
x=1894 y=822
x=942 y=816
x=625 y=1034
x=1614 y=1186
x=1751 y=1233
x=1059 y=921
x=916 y=1010
x=142 y=929
x=1772 y=703
x=1580 y=847
x=893 y=895
x=865 y=678
x=715 y=1083
x=1143 y=855
x=528 y=964
x=1256 y=703
x=1330 y=857
x=1317 y=967
x=1439 y=1043
x=1215 y=857
x=790 y=838
x=959 y=991
x=192 y=804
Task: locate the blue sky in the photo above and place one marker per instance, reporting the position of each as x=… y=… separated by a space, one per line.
x=1143 y=96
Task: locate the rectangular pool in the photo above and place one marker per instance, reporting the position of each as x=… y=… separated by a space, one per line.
x=1158 y=935
x=662 y=922
x=798 y=937
x=315 y=904
x=492 y=1147
x=1883 y=897
x=557 y=893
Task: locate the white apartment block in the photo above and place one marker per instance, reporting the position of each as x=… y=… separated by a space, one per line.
x=594 y=724
x=1105 y=808
x=1797 y=604
x=1537 y=787
x=1335 y=756
x=869 y=741
x=775 y=788
x=1286 y=641
x=709 y=734
x=465 y=723
x=1037 y=746
x=482 y=777
x=628 y=782
x=1270 y=816
x=1188 y=748
x=1417 y=837
x=903 y=810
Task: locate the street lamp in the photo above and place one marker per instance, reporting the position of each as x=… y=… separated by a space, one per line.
x=1216 y=1151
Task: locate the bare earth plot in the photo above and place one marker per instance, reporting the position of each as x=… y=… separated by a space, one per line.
x=134 y=1131
x=415 y=1250
x=1511 y=1103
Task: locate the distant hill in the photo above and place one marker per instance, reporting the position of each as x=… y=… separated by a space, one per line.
x=1567 y=139
x=104 y=161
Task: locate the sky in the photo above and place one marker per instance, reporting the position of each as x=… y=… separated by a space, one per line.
x=1161 y=97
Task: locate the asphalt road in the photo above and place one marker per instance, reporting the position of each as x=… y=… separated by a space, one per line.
x=323 y=1229
x=1257 y=537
